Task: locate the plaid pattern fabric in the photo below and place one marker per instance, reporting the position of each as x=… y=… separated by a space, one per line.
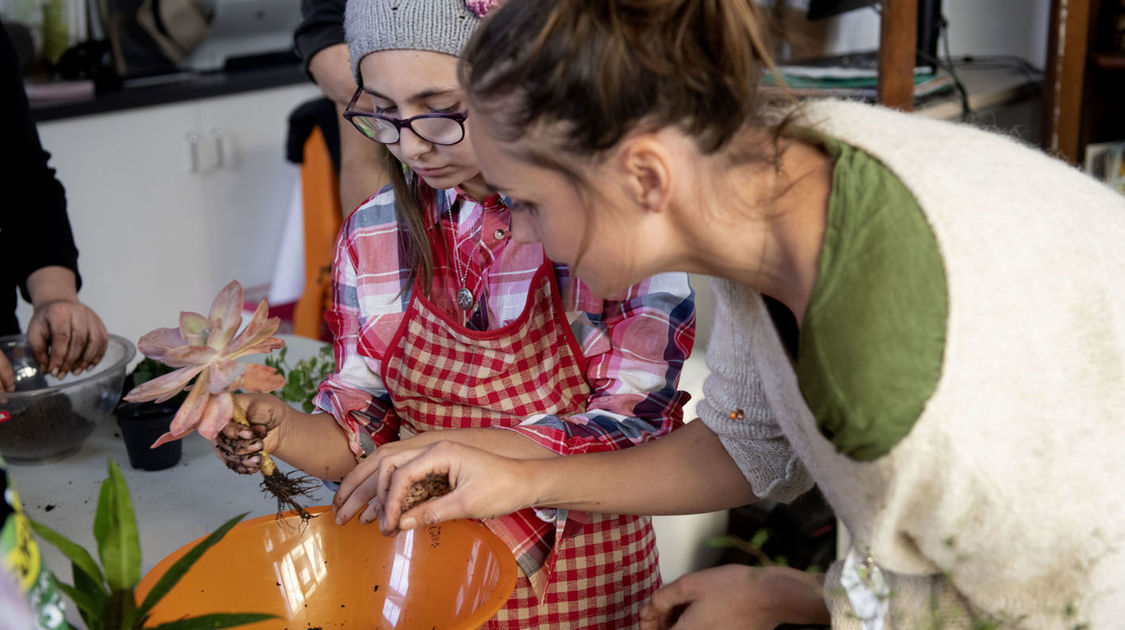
x=575 y=375
x=443 y=376
x=438 y=372
x=634 y=343
x=602 y=578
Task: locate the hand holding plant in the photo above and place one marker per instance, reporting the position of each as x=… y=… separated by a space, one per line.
x=206 y=349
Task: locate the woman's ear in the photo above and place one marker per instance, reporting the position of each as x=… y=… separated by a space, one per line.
x=647 y=166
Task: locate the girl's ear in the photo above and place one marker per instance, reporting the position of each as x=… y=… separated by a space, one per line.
x=647 y=166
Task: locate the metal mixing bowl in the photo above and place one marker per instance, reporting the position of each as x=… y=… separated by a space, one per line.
x=47 y=418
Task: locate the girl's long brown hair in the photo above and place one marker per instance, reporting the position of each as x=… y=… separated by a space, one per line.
x=588 y=72
x=414 y=246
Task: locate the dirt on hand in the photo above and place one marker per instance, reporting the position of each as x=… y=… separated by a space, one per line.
x=431 y=486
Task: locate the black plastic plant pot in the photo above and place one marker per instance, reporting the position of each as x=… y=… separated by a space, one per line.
x=141 y=424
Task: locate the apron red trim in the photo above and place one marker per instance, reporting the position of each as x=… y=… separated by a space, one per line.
x=547 y=267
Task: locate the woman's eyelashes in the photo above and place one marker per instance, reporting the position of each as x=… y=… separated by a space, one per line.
x=524 y=206
x=390 y=109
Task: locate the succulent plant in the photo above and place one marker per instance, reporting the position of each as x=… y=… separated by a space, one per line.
x=206 y=349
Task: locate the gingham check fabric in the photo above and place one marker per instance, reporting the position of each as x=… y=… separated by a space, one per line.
x=634 y=343
x=578 y=375
x=443 y=376
x=438 y=371
x=602 y=578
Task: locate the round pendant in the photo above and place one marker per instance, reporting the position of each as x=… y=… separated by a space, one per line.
x=465 y=299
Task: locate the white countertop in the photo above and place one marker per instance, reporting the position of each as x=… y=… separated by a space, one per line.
x=173 y=506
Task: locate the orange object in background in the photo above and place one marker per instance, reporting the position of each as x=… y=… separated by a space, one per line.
x=321 y=575
x=320 y=197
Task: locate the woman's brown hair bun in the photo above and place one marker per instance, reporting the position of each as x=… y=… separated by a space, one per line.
x=603 y=68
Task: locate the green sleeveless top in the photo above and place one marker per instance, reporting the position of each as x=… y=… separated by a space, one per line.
x=871 y=343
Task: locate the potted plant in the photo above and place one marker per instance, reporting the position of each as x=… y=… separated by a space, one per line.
x=105 y=594
x=142 y=423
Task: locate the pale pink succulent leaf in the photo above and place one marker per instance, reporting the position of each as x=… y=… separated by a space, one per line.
x=222 y=332
x=260 y=378
x=227 y=309
x=220 y=408
x=190 y=355
x=194 y=328
x=164 y=386
x=207 y=346
x=156 y=342
x=224 y=375
x=258 y=330
x=228 y=303
x=191 y=410
x=164 y=439
x=265 y=345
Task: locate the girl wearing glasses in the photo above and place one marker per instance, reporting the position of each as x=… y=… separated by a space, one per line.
x=447 y=329
x=957 y=383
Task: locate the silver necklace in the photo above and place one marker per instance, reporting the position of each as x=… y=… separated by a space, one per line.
x=465 y=298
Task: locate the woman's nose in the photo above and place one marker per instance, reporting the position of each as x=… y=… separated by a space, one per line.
x=413 y=146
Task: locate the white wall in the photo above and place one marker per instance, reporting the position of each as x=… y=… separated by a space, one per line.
x=976 y=27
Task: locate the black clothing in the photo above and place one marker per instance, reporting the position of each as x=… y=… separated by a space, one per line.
x=319 y=112
x=34 y=229
x=322 y=26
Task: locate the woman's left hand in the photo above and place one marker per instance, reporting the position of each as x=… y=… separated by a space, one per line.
x=484 y=485
x=738 y=597
x=66 y=336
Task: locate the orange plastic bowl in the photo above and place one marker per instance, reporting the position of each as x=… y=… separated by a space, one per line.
x=453 y=575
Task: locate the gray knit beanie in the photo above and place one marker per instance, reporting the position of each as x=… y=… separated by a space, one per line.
x=443 y=26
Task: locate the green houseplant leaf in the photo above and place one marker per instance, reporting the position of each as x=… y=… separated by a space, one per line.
x=105 y=596
x=115 y=530
x=181 y=566
x=94 y=588
x=303 y=378
x=82 y=560
x=213 y=621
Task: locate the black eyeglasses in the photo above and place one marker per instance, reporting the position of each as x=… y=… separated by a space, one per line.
x=443 y=129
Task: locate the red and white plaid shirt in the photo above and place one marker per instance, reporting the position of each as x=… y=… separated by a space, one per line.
x=635 y=343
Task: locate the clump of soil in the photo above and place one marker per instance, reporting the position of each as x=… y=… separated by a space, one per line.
x=431 y=486
x=46 y=426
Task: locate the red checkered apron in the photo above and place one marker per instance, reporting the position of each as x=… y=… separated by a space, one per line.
x=441 y=375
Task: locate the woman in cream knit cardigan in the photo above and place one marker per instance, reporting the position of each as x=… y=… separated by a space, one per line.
x=957 y=387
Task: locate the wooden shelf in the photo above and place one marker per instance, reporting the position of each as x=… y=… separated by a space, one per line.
x=1083 y=90
x=1114 y=60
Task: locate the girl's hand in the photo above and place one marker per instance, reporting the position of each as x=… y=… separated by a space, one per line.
x=484 y=485
x=239 y=445
x=736 y=596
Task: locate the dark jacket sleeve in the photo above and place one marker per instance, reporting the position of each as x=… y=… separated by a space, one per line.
x=34 y=229
x=322 y=26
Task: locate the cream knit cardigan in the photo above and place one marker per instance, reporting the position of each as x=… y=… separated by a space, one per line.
x=1011 y=483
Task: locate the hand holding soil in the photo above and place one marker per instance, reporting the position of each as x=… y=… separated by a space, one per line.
x=407 y=484
x=431 y=486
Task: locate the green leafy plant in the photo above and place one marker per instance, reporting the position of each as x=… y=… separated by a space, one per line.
x=302 y=378
x=105 y=595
